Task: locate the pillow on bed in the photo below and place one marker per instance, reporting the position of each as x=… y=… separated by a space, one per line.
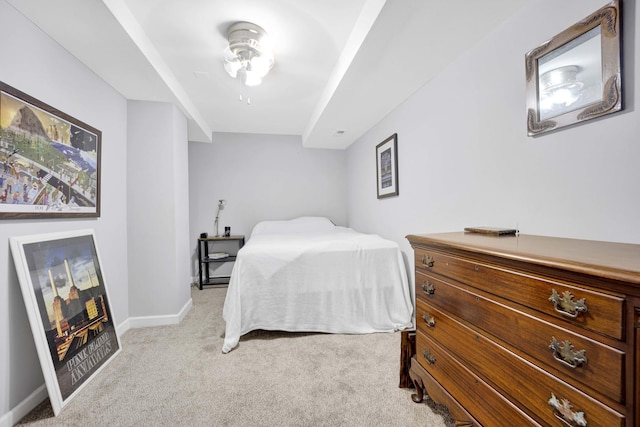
x=306 y=224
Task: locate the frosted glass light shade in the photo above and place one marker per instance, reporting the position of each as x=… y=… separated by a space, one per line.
x=249 y=54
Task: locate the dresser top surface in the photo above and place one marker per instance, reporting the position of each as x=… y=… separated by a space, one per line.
x=618 y=261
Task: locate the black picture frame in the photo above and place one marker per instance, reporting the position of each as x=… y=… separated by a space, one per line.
x=387 y=167
x=49 y=161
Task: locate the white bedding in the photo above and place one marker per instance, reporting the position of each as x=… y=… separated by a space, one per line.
x=307 y=275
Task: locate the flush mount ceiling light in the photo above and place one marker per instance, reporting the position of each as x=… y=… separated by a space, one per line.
x=560 y=87
x=249 y=55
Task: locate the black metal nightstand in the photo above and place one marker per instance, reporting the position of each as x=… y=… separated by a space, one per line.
x=207 y=255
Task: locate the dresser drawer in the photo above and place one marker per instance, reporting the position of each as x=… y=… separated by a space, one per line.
x=475 y=395
x=528 y=385
x=592 y=365
x=604 y=312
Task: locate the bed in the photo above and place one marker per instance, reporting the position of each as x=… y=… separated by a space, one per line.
x=308 y=275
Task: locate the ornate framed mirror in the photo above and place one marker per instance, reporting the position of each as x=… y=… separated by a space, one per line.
x=576 y=75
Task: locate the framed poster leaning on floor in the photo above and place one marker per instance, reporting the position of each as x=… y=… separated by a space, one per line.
x=68 y=307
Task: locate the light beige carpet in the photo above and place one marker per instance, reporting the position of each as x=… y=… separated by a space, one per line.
x=178 y=376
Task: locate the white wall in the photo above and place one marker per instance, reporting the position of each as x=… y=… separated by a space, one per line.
x=465 y=159
x=158 y=203
x=34 y=64
x=262 y=177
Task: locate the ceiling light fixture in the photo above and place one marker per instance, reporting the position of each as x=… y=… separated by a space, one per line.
x=249 y=55
x=560 y=87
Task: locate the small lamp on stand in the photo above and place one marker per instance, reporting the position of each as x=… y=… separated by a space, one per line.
x=221 y=204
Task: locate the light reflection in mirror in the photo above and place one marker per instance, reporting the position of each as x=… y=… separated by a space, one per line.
x=570 y=77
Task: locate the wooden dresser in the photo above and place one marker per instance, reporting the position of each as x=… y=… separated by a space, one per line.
x=528 y=330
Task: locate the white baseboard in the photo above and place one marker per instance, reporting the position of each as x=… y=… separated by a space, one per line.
x=149 y=321
x=34 y=399
x=123 y=327
x=24 y=407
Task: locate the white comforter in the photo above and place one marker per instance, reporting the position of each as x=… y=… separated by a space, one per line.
x=336 y=281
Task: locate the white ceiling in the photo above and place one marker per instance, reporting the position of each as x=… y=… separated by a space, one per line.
x=340 y=64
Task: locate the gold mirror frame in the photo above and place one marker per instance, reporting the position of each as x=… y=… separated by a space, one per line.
x=556 y=66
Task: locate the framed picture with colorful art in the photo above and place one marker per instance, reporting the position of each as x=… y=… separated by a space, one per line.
x=49 y=161
x=387 y=167
x=68 y=307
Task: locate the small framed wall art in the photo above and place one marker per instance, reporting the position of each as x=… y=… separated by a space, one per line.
x=387 y=167
x=49 y=161
x=576 y=75
x=68 y=308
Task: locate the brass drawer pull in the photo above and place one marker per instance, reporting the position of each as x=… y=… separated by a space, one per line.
x=427 y=261
x=566 y=306
x=563 y=353
x=562 y=411
x=429 y=357
x=428 y=288
x=429 y=320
